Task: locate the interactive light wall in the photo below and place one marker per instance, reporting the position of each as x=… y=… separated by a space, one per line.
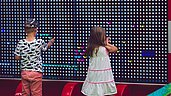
x=139 y=29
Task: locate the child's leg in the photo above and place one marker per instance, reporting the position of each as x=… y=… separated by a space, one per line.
x=25 y=84
x=36 y=84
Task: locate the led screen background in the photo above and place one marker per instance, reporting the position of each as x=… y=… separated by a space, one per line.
x=139 y=29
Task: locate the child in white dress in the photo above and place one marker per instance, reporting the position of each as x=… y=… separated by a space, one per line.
x=99 y=80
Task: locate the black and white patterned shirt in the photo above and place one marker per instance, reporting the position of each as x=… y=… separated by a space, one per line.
x=30 y=53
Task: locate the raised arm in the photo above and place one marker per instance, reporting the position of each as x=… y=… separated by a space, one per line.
x=51 y=42
x=45 y=46
x=111 y=48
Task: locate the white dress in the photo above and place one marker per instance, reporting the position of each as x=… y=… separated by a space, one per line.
x=99 y=80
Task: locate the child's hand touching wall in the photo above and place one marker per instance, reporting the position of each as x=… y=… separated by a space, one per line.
x=51 y=42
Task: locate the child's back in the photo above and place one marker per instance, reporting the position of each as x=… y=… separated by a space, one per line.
x=29 y=52
x=100 y=61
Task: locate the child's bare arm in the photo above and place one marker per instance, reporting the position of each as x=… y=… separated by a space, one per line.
x=111 y=48
x=51 y=42
x=45 y=46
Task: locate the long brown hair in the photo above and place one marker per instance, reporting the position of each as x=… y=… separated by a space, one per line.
x=96 y=39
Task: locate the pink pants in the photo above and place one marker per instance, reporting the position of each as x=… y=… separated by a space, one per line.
x=31 y=83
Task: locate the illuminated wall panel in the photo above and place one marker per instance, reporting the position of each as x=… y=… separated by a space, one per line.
x=138 y=28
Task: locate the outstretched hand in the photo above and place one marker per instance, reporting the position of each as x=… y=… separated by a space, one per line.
x=51 y=42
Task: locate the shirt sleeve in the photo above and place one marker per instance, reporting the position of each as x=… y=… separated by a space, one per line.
x=17 y=50
x=44 y=45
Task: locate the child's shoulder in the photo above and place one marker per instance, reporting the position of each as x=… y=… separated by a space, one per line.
x=21 y=41
x=39 y=40
x=102 y=47
x=99 y=47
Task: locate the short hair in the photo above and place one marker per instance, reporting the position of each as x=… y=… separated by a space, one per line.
x=30 y=25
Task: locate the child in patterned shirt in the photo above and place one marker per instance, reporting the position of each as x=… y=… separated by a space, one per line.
x=29 y=52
